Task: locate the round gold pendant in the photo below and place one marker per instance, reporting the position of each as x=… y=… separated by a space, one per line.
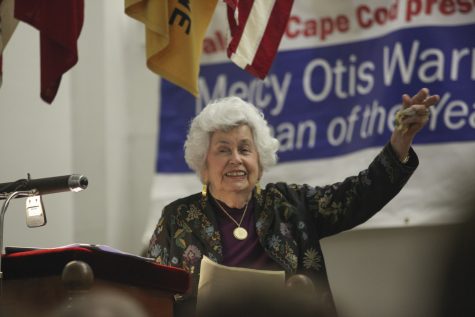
x=240 y=233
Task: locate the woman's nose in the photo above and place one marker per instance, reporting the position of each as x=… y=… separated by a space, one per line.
x=235 y=158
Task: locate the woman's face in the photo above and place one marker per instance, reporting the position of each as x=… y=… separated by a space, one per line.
x=232 y=163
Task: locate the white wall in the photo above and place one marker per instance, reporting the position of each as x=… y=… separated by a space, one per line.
x=103 y=124
x=114 y=103
x=36 y=139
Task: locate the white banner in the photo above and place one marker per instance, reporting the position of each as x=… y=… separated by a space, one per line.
x=331 y=96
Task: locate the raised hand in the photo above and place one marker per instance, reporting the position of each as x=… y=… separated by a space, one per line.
x=412 y=117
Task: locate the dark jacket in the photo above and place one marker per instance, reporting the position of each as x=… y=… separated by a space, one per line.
x=290 y=220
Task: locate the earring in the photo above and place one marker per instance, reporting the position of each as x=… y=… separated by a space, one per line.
x=204 y=190
x=258 y=188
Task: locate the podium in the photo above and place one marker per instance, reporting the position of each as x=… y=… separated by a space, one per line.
x=33 y=285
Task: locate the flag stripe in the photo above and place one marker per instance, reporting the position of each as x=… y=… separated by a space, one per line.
x=242 y=12
x=253 y=32
x=257 y=33
x=269 y=43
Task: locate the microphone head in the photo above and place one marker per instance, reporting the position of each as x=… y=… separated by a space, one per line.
x=77 y=182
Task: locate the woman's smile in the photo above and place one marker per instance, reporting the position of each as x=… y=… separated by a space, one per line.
x=236 y=174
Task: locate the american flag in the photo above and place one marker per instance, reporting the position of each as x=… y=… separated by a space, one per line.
x=256 y=27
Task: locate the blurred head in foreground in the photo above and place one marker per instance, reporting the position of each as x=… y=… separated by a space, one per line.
x=101 y=304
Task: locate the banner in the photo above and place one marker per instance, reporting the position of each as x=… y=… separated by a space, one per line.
x=331 y=98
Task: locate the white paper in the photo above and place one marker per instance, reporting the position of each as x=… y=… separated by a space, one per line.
x=217 y=278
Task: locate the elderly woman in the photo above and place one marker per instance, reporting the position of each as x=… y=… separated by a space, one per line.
x=236 y=223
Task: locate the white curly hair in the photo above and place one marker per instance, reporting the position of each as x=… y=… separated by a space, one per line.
x=222 y=115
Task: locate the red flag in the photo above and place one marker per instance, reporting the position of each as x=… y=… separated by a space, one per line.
x=257 y=26
x=60 y=23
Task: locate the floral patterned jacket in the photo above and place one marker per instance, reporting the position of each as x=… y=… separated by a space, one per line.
x=290 y=220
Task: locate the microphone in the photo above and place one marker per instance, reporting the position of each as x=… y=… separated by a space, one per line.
x=48 y=185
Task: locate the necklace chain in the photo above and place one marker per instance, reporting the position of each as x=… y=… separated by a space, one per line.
x=230 y=217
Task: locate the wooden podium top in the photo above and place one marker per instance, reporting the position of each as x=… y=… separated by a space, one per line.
x=106 y=265
x=32 y=283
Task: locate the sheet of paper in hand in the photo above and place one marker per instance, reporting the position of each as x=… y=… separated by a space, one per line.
x=217 y=280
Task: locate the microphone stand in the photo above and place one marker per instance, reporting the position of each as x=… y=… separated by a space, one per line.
x=8 y=197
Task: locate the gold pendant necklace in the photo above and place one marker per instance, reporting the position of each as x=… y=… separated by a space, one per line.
x=239 y=232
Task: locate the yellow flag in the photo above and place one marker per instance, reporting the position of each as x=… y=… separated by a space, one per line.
x=8 y=24
x=175 y=30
